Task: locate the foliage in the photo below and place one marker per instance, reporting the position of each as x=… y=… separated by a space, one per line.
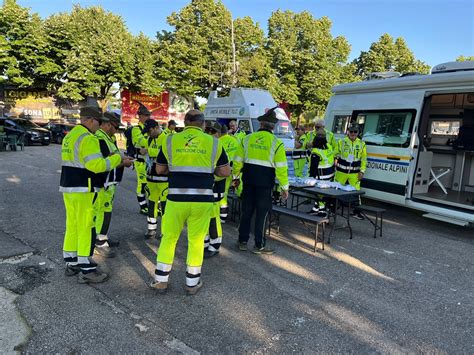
x=195 y=57
x=89 y=52
x=389 y=55
x=463 y=58
x=92 y=47
x=22 y=47
x=307 y=60
x=144 y=76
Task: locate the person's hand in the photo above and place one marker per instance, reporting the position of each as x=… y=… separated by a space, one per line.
x=236 y=183
x=309 y=145
x=361 y=176
x=284 y=195
x=143 y=151
x=127 y=161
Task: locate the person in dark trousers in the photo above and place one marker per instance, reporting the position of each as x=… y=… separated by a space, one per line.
x=260 y=158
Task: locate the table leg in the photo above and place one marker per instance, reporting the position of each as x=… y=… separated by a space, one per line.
x=349 y=218
x=335 y=219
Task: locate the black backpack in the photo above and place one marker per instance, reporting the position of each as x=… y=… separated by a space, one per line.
x=131 y=151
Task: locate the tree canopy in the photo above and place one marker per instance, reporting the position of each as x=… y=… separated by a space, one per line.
x=388 y=54
x=90 y=52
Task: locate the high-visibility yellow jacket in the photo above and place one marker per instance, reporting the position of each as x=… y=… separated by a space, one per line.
x=154 y=146
x=322 y=163
x=108 y=145
x=330 y=139
x=352 y=156
x=168 y=131
x=191 y=156
x=139 y=140
x=230 y=144
x=261 y=157
x=82 y=160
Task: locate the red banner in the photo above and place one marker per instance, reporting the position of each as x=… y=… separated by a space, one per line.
x=158 y=105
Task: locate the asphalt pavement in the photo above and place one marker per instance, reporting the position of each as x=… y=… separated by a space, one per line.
x=410 y=291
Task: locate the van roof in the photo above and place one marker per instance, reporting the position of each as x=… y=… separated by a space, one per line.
x=441 y=80
x=240 y=103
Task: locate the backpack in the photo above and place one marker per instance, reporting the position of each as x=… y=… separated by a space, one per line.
x=131 y=151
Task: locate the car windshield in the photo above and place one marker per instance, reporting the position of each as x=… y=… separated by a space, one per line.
x=283 y=129
x=27 y=124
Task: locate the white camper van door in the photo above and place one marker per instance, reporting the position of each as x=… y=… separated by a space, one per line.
x=387 y=134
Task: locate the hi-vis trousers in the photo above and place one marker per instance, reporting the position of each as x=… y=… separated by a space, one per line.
x=79 y=238
x=351 y=179
x=156 y=200
x=299 y=165
x=140 y=168
x=224 y=207
x=103 y=214
x=213 y=239
x=197 y=215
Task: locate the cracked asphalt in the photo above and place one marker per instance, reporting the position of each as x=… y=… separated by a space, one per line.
x=410 y=291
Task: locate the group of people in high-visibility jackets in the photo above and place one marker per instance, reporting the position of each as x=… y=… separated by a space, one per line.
x=184 y=178
x=344 y=160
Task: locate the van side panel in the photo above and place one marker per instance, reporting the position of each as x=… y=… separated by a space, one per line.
x=390 y=165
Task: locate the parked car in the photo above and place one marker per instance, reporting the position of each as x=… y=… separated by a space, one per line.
x=59 y=131
x=31 y=132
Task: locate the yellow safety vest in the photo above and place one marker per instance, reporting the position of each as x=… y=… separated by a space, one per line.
x=263 y=149
x=82 y=160
x=192 y=156
x=352 y=156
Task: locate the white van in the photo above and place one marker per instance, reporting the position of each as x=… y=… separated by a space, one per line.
x=244 y=106
x=419 y=132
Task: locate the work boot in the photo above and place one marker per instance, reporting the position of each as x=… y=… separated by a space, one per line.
x=209 y=254
x=150 y=233
x=72 y=270
x=95 y=277
x=159 y=286
x=192 y=290
x=104 y=250
x=144 y=211
x=262 y=250
x=242 y=246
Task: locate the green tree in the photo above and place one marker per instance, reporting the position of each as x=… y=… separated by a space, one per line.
x=463 y=58
x=307 y=60
x=253 y=64
x=194 y=58
x=144 y=76
x=22 y=47
x=388 y=54
x=93 y=50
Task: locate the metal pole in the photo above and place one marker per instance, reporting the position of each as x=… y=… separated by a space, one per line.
x=234 y=69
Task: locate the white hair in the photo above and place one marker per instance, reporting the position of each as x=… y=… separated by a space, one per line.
x=319 y=122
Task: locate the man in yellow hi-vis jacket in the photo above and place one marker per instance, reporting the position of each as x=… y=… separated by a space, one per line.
x=192 y=158
x=260 y=158
x=351 y=161
x=139 y=142
x=82 y=161
x=111 y=179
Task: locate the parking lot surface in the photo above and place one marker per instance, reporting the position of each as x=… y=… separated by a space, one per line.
x=410 y=291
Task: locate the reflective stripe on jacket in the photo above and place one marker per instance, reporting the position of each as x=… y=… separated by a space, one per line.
x=192 y=156
x=352 y=156
x=82 y=160
x=262 y=157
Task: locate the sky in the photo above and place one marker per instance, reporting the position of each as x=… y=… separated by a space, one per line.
x=437 y=31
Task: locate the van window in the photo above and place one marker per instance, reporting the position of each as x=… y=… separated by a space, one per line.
x=283 y=129
x=340 y=123
x=387 y=128
x=244 y=125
